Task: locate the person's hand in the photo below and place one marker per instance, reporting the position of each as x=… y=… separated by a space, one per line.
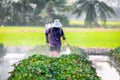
x=63 y=37
x=47 y=42
x=50 y=44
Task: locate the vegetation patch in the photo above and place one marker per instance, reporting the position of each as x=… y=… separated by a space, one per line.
x=66 y=67
x=2 y=50
x=115 y=56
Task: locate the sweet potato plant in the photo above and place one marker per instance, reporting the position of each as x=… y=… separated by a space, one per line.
x=66 y=67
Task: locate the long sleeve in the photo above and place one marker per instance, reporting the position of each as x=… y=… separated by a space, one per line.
x=62 y=34
x=46 y=35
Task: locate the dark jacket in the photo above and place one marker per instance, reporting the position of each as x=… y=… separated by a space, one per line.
x=53 y=36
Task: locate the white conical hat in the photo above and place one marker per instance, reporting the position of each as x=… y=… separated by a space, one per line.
x=57 y=23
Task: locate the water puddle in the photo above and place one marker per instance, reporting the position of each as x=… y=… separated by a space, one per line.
x=5 y=64
x=103 y=68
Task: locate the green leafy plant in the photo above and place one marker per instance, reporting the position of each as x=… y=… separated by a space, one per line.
x=2 y=50
x=66 y=67
x=115 y=54
x=115 y=58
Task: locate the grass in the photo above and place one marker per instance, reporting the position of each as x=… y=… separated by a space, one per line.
x=94 y=39
x=110 y=23
x=22 y=36
x=83 y=37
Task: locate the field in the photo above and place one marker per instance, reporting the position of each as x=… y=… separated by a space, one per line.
x=113 y=24
x=82 y=37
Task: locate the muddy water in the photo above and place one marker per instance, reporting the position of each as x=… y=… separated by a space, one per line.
x=103 y=68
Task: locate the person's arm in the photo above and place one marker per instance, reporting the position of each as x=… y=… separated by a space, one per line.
x=46 y=35
x=62 y=34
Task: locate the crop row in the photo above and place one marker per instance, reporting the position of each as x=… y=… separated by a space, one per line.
x=67 y=67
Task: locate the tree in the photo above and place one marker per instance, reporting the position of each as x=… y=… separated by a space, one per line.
x=27 y=12
x=17 y=13
x=2 y=11
x=48 y=9
x=55 y=9
x=48 y=12
x=94 y=10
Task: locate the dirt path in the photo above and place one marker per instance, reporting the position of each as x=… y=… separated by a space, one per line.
x=103 y=68
x=97 y=51
x=89 y=51
x=18 y=49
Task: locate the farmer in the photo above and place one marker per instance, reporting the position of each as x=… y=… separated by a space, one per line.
x=53 y=37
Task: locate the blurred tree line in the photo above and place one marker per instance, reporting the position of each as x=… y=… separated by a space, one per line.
x=32 y=12
x=39 y=12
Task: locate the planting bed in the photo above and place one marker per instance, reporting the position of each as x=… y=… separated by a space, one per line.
x=67 y=67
